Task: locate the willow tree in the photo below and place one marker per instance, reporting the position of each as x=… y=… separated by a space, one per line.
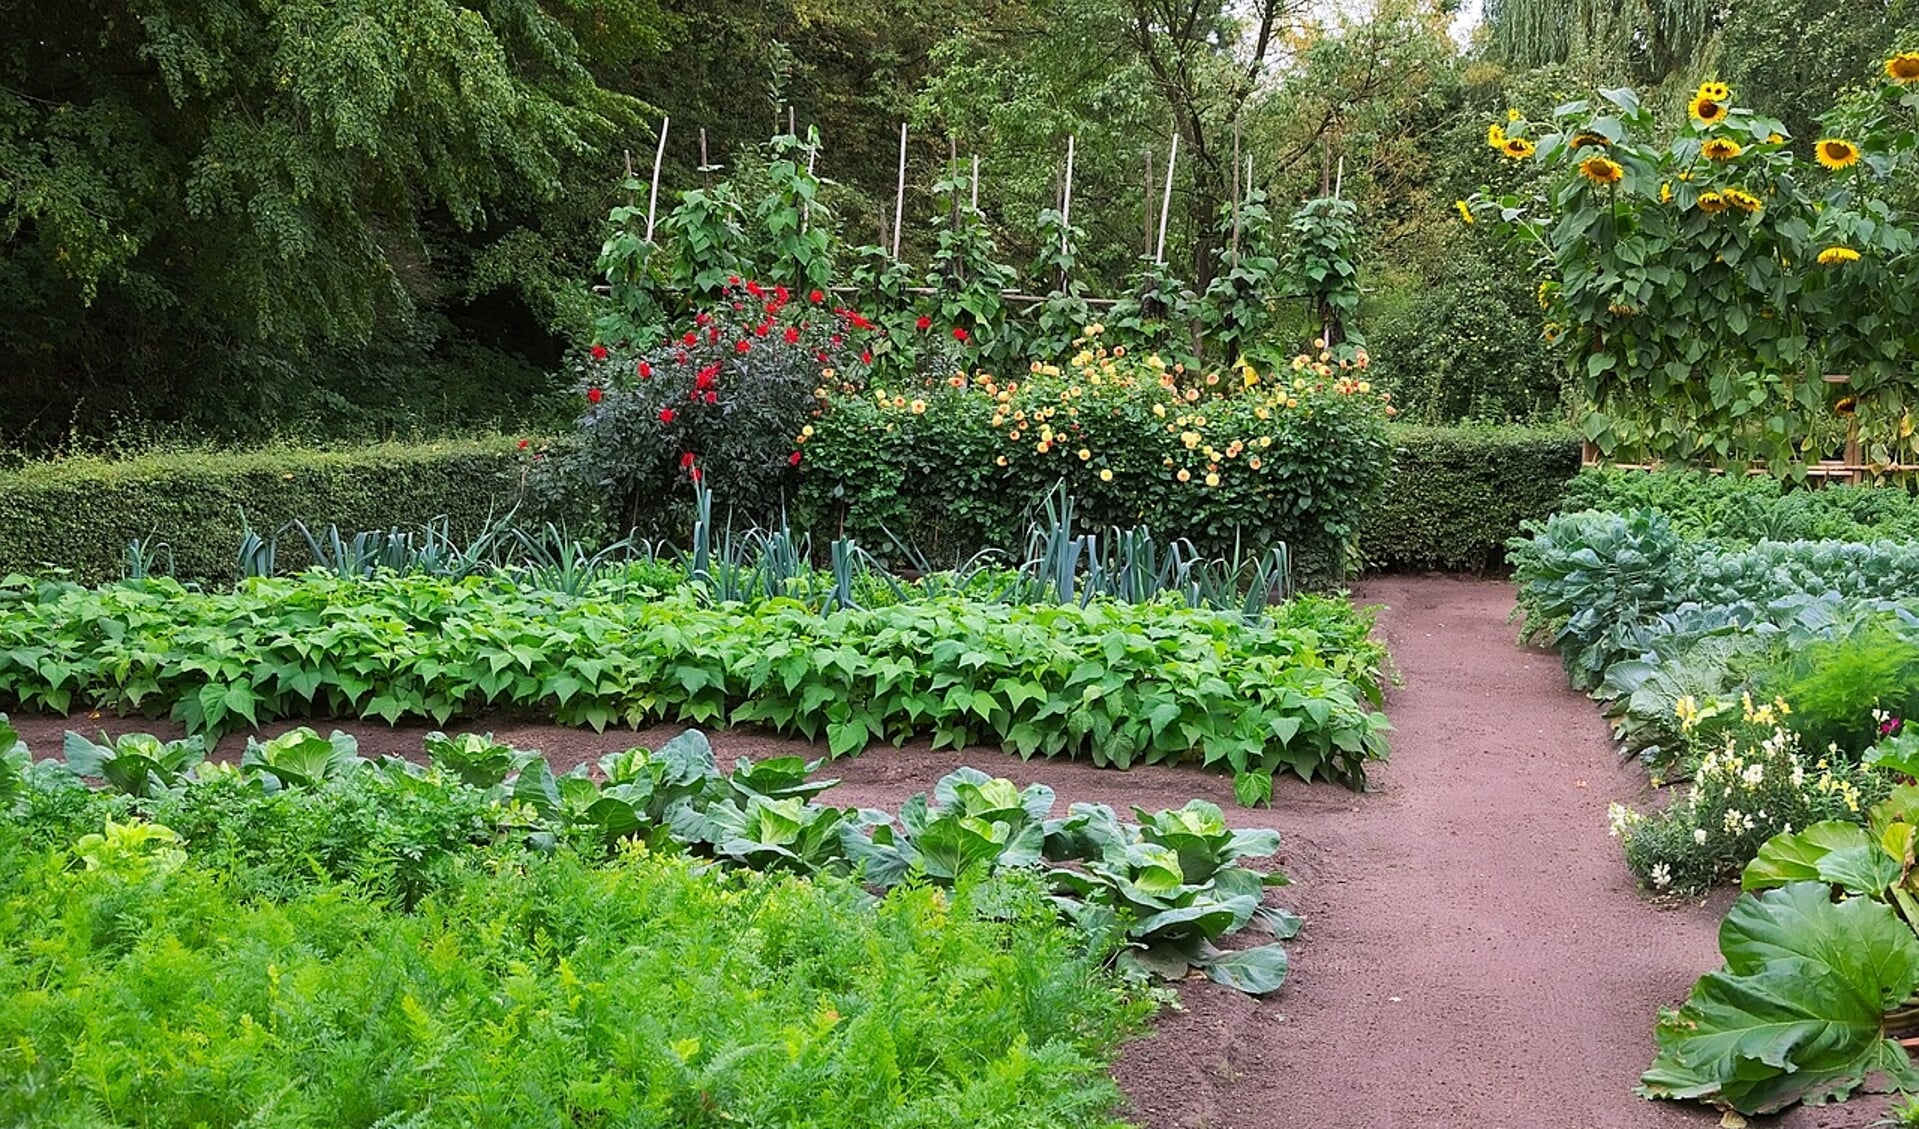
x=1644 y=41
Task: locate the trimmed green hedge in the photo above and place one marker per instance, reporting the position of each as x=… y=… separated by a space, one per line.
x=79 y=514
x=1453 y=498
x=1457 y=493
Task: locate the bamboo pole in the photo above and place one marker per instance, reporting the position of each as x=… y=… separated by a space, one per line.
x=1236 y=186
x=653 y=197
x=706 y=180
x=1066 y=208
x=899 y=197
x=976 y=182
x=1166 y=201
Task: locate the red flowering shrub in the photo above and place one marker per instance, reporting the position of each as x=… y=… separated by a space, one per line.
x=722 y=402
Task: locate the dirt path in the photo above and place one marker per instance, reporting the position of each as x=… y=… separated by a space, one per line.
x=1475 y=956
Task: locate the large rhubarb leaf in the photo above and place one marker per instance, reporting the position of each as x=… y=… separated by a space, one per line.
x=1835 y=852
x=1795 y=1016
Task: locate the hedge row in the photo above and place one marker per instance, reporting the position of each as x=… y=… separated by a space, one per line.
x=80 y=514
x=1455 y=495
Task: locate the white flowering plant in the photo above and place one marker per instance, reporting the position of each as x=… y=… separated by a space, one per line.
x=1758 y=783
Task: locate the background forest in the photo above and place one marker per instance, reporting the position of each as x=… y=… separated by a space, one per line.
x=247 y=219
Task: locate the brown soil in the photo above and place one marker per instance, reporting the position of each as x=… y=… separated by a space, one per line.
x=1476 y=955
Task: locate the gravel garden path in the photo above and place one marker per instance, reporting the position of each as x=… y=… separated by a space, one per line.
x=1475 y=956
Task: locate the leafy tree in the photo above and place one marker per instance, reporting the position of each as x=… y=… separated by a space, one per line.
x=201 y=197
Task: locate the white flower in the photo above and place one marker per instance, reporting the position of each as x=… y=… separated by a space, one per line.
x=1661 y=876
x=1699 y=836
x=1754 y=775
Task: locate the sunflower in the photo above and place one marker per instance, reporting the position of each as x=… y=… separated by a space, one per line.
x=1518 y=148
x=1552 y=331
x=1845 y=406
x=1836 y=153
x=1743 y=200
x=1545 y=295
x=1903 y=67
x=1512 y=115
x=1496 y=136
x=1833 y=256
x=1706 y=111
x=1720 y=149
x=1713 y=203
x=1582 y=139
x=1775 y=139
x=1601 y=170
x=1715 y=91
x=1465 y=213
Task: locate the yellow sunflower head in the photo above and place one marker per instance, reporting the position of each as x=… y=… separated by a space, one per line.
x=1713 y=202
x=1743 y=200
x=1601 y=170
x=1518 y=148
x=1715 y=91
x=1903 y=67
x=1836 y=152
x=1512 y=115
x=1465 y=213
x=1545 y=294
x=1833 y=256
x=1720 y=149
x=1845 y=405
x=1586 y=137
x=1775 y=139
x=1706 y=111
x=1496 y=136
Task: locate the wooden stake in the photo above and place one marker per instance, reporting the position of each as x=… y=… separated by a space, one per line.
x=952 y=167
x=1166 y=201
x=1340 y=183
x=653 y=197
x=976 y=182
x=806 y=209
x=705 y=179
x=790 y=130
x=899 y=197
x=1235 y=186
x=1066 y=208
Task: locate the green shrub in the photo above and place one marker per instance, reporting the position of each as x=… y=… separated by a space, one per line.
x=80 y=514
x=641 y=992
x=1123 y=683
x=1234 y=462
x=1461 y=342
x=1456 y=495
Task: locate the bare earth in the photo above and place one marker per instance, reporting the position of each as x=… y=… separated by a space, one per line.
x=1476 y=955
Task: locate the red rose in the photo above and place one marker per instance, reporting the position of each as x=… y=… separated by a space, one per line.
x=686 y=460
x=646 y=371
x=780 y=294
x=753 y=288
x=960 y=334
x=704 y=380
x=594 y=395
x=792 y=335
x=742 y=346
x=925 y=323
x=762 y=329
x=793 y=459
x=666 y=415
x=599 y=352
